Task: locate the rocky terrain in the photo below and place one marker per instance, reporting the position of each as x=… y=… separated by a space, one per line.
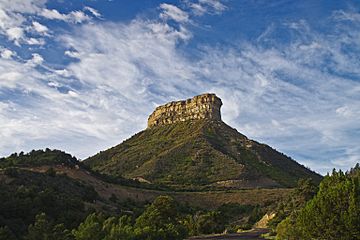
x=205 y=106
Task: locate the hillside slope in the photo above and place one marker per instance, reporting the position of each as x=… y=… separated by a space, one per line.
x=49 y=174
x=199 y=153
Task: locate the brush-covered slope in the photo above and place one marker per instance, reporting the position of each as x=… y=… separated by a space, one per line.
x=24 y=194
x=38 y=158
x=199 y=153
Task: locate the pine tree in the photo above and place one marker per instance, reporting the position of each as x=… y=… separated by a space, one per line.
x=334 y=212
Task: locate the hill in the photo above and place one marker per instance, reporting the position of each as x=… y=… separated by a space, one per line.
x=38 y=158
x=23 y=194
x=43 y=182
x=186 y=145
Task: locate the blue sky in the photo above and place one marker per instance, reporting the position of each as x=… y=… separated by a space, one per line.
x=82 y=76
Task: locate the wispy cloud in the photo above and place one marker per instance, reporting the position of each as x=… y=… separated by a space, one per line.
x=301 y=96
x=15 y=22
x=93 y=11
x=202 y=7
x=73 y=16
x=172 y=12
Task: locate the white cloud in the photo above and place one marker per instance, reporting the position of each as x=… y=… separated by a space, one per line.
x=16 y=22
x=347 y=16
x=174 y=13
x=215 y=4
x=348 y=158
x=61 y=72
x=197 y=9
x=9 y=79
x=12 y=17
x=72 y=54
x=93 y=11
x=36 y=59
x=6 y=53
x=35 y=41
x=78 y=17
x=53 y=14
x=344 y=111
x=15 y=34
x=38 y=27
x=73 y=16
x=201 y=7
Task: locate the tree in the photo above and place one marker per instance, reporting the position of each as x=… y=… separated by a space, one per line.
x=160 y=221
x=91 y=228
x=161 y=212
x=334 y=212
x=59 y=232
x=304 y=192
x=120 y=228
x=210 y=223
x=6 y=234
x=41 y=229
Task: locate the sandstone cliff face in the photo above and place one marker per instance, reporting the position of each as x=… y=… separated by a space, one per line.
x=205 y=106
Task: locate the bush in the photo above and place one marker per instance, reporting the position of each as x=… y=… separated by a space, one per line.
x=11 y=172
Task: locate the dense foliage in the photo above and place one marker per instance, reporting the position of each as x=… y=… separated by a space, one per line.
x=24 y=194
x=333 y=213
x=164 y=219
x=305 y=191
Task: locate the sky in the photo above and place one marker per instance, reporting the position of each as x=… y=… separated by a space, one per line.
x=84 y=75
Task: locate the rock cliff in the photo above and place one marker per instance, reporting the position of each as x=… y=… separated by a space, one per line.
x=205 y=106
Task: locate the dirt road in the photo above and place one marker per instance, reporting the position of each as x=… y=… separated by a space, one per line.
x=252 y=235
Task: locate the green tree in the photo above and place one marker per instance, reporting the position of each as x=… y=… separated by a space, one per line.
x=59 y=232
x=91 y=228
x=41 y=229
x=334 y=212
x=6 y=234
x=305 y=191
x=120 y=228
x=210 y=223
x=285 y=229
x=160 y=221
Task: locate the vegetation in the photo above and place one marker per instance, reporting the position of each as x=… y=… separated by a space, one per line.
x=24 y=194
x=164 y=219
x=42 y=203
x=38 y=158
x=305 y=191
x=50 y=205
x=333 y=213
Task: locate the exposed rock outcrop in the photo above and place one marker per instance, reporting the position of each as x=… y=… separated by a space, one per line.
x=263 y=222
x=205 y=106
